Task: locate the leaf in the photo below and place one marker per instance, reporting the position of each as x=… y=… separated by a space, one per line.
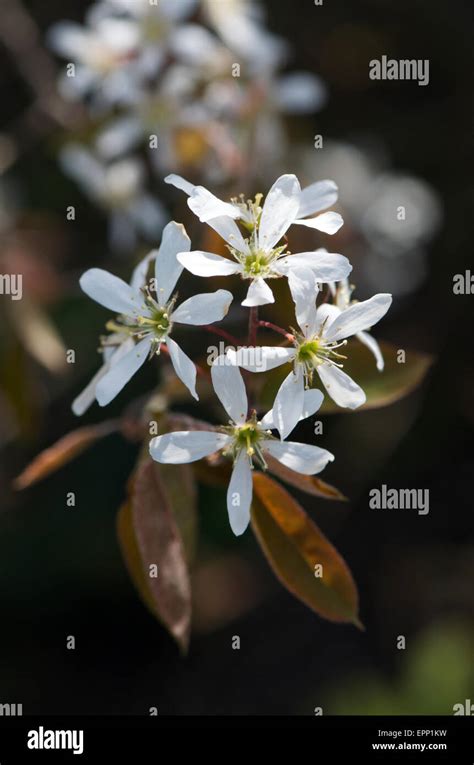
x=180 y=489
x=381 y=388
x=308 y=483
x=294 y=545
x=63 y=451
x=149 y=536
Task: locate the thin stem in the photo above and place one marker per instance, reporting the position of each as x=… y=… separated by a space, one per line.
x=221 y=333
x=276 y=328
x=253 y=326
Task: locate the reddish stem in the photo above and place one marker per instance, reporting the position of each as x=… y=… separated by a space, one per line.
x=276 y=328
x=221 y=333
x=253 y=326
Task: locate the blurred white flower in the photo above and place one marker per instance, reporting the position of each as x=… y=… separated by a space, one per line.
x=259 y=257
x=323 y=331
x=146 y=319
x=101 y=52
x=118 y=188
x=245 y=440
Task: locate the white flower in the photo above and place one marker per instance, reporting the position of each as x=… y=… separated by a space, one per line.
x=259 y=256
x=342 y=301
x=145 y=322
x=118 y=188
x=323 y=331
x=101 y=51
x=123 y=43
x=245 y=440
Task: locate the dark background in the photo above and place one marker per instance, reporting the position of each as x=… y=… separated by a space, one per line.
x=61 y=569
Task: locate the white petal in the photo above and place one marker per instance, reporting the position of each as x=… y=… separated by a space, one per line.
x=288 y=404
x=202 y=263
x=259 y=293
x=312 y=400
x=300 y=92
x=328 y=222
x=316 y=197
x=203 y=309
x=261 y=358
x=304 y=458
x=327 y=266
x=180 y=183
x=186 y=446
x=183 y=366
x=230 y=389
x=140 y=272
x=109 y=291
x=359 y=316
x=342 y=388
x=304 y=291
x=120 y=373
x=239 y=494
x=373 y=346
x=207 y=206
x=227 y=228
x=325 y=316
x=279 y=210
x=167 y=267
x=111 y=356
x=119 y=136
x=83 y=401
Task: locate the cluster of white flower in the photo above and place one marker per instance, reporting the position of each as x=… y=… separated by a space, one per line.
x=147 y=315
x=197 y=79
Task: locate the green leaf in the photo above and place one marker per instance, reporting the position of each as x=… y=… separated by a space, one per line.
x=294 y=546
x=381 y=388
x=151 y=544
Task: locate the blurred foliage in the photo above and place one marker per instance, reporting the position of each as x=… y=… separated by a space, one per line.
x=436 y=673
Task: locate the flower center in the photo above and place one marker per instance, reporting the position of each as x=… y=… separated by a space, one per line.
x=155 y=324
x=315 y=351
x=248 y=437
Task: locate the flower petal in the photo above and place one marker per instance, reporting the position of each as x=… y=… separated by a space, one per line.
x=227 y=228
x=304 y=458
x=186 y=446
x=312 y=400
x=207 y=206
x=327 y=266
x=180 y=183
x=373 y=346
x=230 y=389
x=120 y=373
x=328 y=222
x=183 y=366
x=202 y=263
x=261 y=358
x=109 y=291
x=359 y=316
x=325 y=315
x=167 y=267
x=304 y=291
x=288 y=404
x=259 y=293
x=279 y=210
x=239 y=494
x=300 y=93
x=205 y=308
x=111 y=355
x=318 y=196
x=342 y=388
